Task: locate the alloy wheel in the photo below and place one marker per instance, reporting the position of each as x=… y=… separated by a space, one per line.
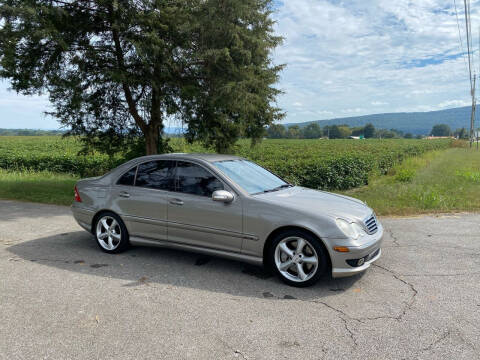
x=109 y=233
x=296 y=259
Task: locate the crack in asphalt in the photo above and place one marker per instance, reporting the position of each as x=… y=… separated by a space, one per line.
x=437 y=341
x=444 y=336
x=409 y=303
x=342 y=315
x=394 y=238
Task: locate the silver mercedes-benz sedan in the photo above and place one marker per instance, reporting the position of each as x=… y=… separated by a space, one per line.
x=228 y=206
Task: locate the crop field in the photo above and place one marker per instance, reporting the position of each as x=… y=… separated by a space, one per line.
x=320 y=164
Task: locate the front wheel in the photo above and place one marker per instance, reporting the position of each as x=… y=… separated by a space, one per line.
x=111 y=233
x=298 y=258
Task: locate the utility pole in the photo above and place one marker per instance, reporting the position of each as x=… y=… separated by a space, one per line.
x=472 y=117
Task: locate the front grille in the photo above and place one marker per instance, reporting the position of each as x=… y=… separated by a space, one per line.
x=371 y=224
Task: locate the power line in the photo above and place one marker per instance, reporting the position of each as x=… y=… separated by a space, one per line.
x=467 y=29
x=471 y=36
x=460 y=35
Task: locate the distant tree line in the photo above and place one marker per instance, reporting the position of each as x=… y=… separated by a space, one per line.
x=29 y=132
x=314 y=131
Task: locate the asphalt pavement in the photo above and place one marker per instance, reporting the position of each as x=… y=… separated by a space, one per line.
x=62 y=298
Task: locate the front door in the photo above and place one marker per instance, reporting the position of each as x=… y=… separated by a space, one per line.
x=195 y=219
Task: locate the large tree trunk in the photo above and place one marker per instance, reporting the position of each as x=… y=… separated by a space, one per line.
x=152 y=133
x=152 y=136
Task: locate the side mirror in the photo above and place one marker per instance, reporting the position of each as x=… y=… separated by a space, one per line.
x=222 y=196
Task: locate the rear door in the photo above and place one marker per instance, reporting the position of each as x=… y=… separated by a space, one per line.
x=144 y=205
x=195 y=219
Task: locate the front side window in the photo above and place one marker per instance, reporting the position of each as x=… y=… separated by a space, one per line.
x=194 y=179
x=157 y=174
x=128 y=178
x=251 y=177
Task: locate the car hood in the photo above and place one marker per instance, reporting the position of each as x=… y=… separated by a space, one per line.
x=317 y=202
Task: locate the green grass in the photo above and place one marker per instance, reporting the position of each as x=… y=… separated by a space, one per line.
x=438 y=181
x=43 y=187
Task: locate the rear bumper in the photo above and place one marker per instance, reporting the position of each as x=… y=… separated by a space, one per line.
x=83 y=217
x=340 y=267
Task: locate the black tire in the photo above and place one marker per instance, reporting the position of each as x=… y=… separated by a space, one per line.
x=121 y=243
x=311 y=242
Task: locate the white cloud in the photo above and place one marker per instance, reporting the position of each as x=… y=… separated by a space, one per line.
x=370 y=56
x=324 y=113
x=453 y=103
x=353 y=111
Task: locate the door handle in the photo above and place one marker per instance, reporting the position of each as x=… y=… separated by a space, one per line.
x=176 y=202
x=124 y=194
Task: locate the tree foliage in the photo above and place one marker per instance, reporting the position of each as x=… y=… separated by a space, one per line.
x=276 y=131
x=345 y=131
x=333 y=132
x=461 y=133
x=294 y=132
x=441 y=130
x=369 y=131
x=312 y=131
x=117 y=69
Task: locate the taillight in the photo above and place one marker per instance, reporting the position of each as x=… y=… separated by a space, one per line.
x=77 y=195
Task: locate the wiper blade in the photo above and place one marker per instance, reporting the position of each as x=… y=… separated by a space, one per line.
x=278 y=188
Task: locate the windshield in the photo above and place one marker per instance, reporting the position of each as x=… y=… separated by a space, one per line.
x=251 y=177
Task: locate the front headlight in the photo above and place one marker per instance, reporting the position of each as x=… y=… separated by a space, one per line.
x=350 y=229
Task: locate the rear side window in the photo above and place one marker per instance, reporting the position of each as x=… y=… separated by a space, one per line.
x=156 y=175
x=128 y=178
x=193 y=179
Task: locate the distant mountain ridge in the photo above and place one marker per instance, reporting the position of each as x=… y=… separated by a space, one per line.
x=417 y=123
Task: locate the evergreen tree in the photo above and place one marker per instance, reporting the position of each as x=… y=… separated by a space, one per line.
x=115 y=69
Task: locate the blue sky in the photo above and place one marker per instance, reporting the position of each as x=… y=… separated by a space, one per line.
x=344 y=58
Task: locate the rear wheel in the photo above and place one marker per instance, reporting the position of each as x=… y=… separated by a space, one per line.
x=111 y=233
x=298 y=258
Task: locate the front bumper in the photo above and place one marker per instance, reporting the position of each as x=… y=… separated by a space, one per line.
x=340 y=267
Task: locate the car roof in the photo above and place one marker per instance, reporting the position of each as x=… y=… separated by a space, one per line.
x=191 y=156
